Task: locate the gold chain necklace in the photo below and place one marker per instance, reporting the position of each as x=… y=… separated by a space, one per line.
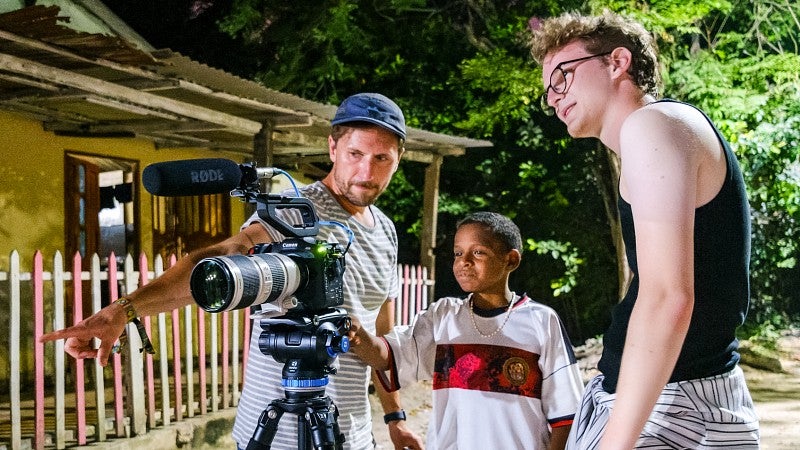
x=508 y=314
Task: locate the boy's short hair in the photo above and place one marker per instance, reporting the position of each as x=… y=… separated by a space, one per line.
x=600 y=34
x=502 y=228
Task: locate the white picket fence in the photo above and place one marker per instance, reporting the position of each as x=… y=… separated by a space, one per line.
x=58 y=402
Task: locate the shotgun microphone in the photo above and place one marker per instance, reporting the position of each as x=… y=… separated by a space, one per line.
x=192 y=177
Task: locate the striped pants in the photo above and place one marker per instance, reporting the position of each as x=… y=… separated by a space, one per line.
x=707 y=413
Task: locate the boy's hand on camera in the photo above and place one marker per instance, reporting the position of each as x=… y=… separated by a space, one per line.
x=356 y=333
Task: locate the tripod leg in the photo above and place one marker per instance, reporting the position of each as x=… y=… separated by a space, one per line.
x=303 y=431
x=338 y=435
x=324 y=427
x=266 y=429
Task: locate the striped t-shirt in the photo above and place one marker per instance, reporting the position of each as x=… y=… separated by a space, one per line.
x=370 y=278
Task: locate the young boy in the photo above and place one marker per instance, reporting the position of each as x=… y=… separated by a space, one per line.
x=504 y=374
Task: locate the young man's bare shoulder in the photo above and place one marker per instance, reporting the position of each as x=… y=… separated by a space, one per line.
x=653 y=117
x=663 y=125
x=666 y=115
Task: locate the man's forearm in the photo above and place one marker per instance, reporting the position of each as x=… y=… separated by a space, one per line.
x=651 y=350
x=165 y=293
x=171 y=290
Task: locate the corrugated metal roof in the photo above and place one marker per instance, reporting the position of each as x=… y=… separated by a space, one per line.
x=96 y=85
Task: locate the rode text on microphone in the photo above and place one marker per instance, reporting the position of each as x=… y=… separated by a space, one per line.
x=192 y=177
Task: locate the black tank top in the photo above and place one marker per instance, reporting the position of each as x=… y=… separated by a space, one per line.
x=721 y=283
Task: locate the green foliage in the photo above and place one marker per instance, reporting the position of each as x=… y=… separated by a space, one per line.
x=765 y=333
x=401 y=203
x=400 y=199
x=512 y=84
x=665 y=18
x=565 y=253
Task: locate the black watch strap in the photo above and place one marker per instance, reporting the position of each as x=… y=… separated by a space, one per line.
x=397 y=415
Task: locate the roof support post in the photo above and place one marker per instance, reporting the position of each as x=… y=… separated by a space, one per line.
x=263 y=151
x=430 y=208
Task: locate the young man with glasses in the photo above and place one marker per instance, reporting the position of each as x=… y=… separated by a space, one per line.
x=686 y=227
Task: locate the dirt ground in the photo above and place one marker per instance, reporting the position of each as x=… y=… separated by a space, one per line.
x=776 y=395
x=777 y=398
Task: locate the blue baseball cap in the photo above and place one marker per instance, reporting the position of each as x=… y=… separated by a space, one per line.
x=372 y=108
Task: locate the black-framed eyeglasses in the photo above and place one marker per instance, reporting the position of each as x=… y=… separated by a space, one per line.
x=558 y=80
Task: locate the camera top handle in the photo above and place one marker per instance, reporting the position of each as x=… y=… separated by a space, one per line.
x=269 y=204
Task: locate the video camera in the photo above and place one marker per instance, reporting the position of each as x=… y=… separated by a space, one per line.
x=303 y=275
x=296 y=272
x=300 y=272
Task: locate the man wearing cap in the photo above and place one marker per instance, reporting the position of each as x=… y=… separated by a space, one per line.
x=365 y=145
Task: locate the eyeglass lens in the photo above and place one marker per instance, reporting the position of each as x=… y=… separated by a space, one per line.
x=558 y=84
x=558 y=81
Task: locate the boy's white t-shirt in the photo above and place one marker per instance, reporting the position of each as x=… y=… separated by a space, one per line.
x=503 y=391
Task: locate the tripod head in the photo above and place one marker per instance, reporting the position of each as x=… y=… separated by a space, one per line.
x=308 y=347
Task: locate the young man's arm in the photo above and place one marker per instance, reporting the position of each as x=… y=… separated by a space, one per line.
x=660 y=162
x=169 y=291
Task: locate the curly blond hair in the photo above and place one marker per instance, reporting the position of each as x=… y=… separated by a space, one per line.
x=601 y=34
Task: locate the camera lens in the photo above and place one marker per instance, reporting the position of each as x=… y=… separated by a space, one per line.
x=233 y=282
x=216 y=287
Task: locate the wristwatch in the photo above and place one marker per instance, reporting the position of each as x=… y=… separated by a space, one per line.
x=397 y=415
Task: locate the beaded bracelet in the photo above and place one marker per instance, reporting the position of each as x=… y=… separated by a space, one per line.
x=130 y=312
x=132 y=317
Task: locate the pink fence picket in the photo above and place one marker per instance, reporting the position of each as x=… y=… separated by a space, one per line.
x=415 y=291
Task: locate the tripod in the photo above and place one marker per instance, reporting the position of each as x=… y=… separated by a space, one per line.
x=308 y=348
x=317 y=425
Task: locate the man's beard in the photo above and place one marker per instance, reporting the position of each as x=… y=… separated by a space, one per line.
x=360 y=198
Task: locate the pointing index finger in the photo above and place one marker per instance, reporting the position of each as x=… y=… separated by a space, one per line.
x=59 y=334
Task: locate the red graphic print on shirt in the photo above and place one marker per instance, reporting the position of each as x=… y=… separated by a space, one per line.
x=490 y=368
